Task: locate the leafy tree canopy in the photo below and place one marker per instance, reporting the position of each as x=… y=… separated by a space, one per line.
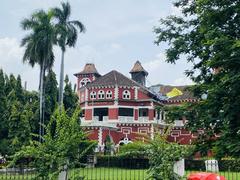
x=207 y=33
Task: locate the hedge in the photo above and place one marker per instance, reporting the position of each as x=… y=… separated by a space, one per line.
x=143 y=163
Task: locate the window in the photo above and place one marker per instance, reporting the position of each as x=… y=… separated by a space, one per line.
x=93 y=95
x=126 y=94
x=109 y=95
x=101 y=94
x=125 y=112
x=84 y=81
x=143 y=112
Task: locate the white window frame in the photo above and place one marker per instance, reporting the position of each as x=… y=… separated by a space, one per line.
x=101 y=94
x=126 y=94
x=109 y=94
x=93 y=95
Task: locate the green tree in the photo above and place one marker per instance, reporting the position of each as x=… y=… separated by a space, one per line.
x=207 y=34
x=62 y=145
x=18 y=127
x=162 y=156
x=70 y=98
x=51 y=94
x=19 y=89
x=67 y=31
x=3 y=114
x=39 y=48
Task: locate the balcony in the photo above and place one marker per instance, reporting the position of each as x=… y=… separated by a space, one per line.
x=178 y=123
x=143 y=119
x=126 y=119
x=97 y=119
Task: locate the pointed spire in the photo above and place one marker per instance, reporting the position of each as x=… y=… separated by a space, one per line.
x=88 y=69
x=138 y=68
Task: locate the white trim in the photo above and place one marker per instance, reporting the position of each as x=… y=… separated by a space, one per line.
x=119 y=106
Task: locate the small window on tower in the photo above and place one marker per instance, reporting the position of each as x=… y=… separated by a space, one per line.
x=109 y=95
x=126 y=94
x=101 y=94
x=84 y=81
x=93 y=95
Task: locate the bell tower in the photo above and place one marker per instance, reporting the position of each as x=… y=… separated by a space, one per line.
x=139 y=74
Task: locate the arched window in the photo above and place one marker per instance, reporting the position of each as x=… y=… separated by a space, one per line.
x=84 y=81
x=126 y=94
x=93 y=95
x=109 y=94
x=101 y=94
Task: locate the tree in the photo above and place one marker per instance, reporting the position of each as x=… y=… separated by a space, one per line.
x=207 y=33
x=67 y=36
x=64 y=143
x=18 y=127
x=162 y=156
x=39 y=48
x=19 y=89
x=70 y=98
x=3 y=114
x=51 y=94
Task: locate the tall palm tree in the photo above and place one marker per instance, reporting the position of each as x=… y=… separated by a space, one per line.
x=39 y=50
x=67 y=34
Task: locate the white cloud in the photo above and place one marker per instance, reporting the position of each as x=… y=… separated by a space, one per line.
x=161 y=72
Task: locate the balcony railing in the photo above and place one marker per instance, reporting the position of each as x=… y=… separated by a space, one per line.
x=126 y=119
x=143 y=119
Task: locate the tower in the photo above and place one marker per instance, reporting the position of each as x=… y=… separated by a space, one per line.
x=87 y=75
x=138 y=73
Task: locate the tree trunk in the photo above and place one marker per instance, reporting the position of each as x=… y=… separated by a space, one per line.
x=61 y=82
x=42 y=68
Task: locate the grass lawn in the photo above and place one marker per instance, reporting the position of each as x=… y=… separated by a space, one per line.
x=108 y=174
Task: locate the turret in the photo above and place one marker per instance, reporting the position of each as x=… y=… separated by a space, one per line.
x=87 y=75
x=139 y=74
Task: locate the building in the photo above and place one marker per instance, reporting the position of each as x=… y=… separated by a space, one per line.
x=122 y=108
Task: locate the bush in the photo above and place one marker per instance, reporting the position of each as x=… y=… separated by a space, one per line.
x=136 y=149
x=122 y=161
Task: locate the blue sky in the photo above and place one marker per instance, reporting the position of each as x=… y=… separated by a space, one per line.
x=119 y=32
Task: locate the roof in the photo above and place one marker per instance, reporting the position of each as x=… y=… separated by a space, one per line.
x=183 y=92
x=113 y=78
x=138 y=68
x=89 y=68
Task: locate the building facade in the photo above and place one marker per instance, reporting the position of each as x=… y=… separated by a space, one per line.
x=122 y=108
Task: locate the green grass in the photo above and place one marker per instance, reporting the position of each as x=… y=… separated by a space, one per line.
x=108 y=174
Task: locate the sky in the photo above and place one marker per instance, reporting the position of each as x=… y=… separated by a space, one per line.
x=118 y=33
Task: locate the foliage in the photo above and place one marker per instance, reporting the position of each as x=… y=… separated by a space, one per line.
x=64 y=143
x=38 y=46
x=162 y=156
x=16 y=114
x=70 y=98
x=67 y=34
x=136 y=149
x=207 y=34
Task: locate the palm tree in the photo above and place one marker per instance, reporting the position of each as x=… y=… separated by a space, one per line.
x=39 y=50
x=67 y=34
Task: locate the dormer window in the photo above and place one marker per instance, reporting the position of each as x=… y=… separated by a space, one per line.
x=101 y=94
x=126 y=94
x=109 y=95
x=93 y=95
x=84 y=81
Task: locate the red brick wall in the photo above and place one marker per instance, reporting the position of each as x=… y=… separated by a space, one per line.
x=142 y=95
x=135 y=114
x=113 y=113
x=88 y=114
x=151 y=114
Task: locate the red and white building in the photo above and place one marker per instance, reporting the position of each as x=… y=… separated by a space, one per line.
x=115 y=105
